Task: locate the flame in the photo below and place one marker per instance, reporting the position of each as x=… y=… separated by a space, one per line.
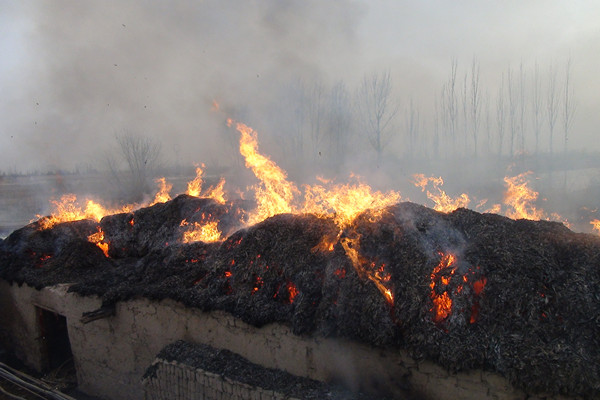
x=163 y=191
x=520 y=198
x=67 y=210
x=208 y=232
x=345 y=201
x=194 y=187
x=442 y=303
x=274 y=195
x=596 y=224
x=98 y=239
x=378 y=276
x=217 y=193
x=442 y=201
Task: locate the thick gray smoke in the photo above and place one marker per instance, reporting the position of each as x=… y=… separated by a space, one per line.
x=77 y=74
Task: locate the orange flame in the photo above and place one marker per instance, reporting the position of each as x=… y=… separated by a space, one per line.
x=163 y=192
x=274 y=195
x=520 y=198
x=596 y=224
x=67 y=210
x=98 y=239
x=442 y=303
x=208 y=232
x=346 y=201
x=442 y=201
x=378 y=277
x=194 y=187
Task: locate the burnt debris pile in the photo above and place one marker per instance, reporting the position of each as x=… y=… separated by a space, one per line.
x=464 y=289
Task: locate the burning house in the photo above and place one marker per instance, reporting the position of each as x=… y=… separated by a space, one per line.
x=350 y=294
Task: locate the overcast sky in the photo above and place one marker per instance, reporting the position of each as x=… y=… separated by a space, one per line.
x=75 y=73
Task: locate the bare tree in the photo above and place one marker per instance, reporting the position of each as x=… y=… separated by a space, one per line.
x=411 y=121
x=316 y=114
x=569 y=106
x=522 y=107
x=449 y=105
x=568 y=113
x=551 y=106
x=475 y=102
x=338 y=122
x=536 y=105
x=500 y=116
x=512 y=111
x=376 y=110
x=140 y=156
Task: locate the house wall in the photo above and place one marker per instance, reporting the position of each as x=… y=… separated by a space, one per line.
x=112 y=354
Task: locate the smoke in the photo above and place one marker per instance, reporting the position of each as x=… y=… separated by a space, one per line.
x=78 y=74
x=97 y=69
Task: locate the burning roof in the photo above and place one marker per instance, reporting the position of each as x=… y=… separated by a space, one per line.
x=462 y=288
x=465 y=289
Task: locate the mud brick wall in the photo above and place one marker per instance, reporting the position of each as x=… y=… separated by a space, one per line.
x=112 y=354
x=176 y=381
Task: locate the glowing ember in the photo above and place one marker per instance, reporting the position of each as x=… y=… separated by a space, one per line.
x=208 y=232
x=443 y=202
x=442 y=303
x=293 y=291
x=98 y=239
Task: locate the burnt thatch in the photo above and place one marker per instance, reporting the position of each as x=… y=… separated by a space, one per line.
x=525 y=295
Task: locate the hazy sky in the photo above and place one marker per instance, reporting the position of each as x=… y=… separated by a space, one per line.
x=73 y=74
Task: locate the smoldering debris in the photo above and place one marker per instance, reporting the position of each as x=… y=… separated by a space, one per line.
x=464 y=289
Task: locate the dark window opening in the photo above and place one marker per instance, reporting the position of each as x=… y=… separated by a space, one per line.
x=57 y=357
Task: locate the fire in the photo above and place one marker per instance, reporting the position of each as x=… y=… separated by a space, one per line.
x=596 y=224
x=163 y=192
x=377 y=276
x=274 y=195
x=442 y=303
x=68 y=209
x=345 y=201
x=98 y=239
x=520 y=198
x=443 y=202
x=194 y=187
x=208 y=232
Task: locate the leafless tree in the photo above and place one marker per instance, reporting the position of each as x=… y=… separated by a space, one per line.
x=536 y=105
x=133 y=163
x=512 y=111
x=376 y=110
x=315 y=107
x=551 y=106
x=475 y=102
x=522 y=107
x=569 y=106
x=500 y=116
x=338 y=122
x=411 y=120
x=449 y=105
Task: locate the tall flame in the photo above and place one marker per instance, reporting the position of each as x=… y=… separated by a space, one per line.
x=521 y=198
x=275 y=194
x=194 y=187
x=163 y=192
x=442 y=201
x=596 y=225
